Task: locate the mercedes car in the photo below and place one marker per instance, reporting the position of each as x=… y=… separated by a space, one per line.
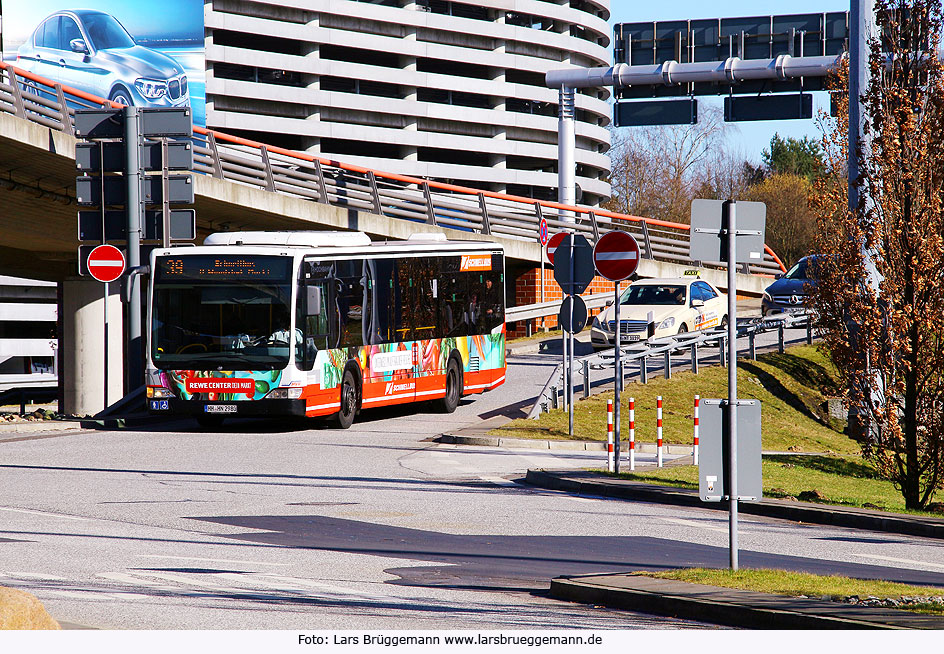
x=91 y=51
x=654 y=308
x=788 y=294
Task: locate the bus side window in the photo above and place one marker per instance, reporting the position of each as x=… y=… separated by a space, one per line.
x=350 y=294
x=453 y=299
x=384 y=292
x=312 y=320
x=418 y=319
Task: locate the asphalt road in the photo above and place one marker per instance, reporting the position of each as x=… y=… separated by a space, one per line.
x=285 y=526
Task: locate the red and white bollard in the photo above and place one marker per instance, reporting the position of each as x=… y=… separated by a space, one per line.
x=659 y=429
x=695 y=436
x=610 y=452
x=632 y=433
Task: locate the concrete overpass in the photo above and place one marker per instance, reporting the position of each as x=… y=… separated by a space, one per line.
x=247 y=185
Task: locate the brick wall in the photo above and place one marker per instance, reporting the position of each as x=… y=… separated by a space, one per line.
x=528 y=291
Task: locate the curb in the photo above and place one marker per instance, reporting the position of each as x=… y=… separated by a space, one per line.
x=731 y=607
x=29 y=427
x=538 y=444
x=836 y=516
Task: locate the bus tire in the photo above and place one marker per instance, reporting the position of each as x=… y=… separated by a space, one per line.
x=209 y=421
x=453 y=386
x=349 y=400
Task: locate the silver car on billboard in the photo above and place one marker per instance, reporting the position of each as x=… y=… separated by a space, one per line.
x=91 y=51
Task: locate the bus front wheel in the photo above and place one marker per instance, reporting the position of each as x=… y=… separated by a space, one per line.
x=348 y=401
x=453 y=387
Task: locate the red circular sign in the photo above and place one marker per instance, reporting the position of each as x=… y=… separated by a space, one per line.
x=616 y=255
x=106 y=263
x=552 y=245
x=543 y=231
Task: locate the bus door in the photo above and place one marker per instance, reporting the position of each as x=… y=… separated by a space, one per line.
x=391 y=359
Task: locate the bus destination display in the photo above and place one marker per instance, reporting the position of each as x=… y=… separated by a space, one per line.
x=232 y=267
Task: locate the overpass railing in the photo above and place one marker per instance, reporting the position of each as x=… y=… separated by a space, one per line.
x=306 y=176
x=665 y=347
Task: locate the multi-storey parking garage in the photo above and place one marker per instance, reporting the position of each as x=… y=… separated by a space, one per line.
x=445 y=90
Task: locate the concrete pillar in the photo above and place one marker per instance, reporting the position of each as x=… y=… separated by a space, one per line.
x=82 y=350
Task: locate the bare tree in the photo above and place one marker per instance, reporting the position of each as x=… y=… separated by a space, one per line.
x=657 y=171
x=880 y=299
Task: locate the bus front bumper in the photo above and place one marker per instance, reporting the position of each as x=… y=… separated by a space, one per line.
x=243 y=408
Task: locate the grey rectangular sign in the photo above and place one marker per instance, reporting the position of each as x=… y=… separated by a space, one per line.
x=180 y=189
x=166 y=122
x=642 y=113
x=179 y=156
x=714 y=454
x=709 y=240
x=89 y=156
x=88 y=191
x=182 y=225
x=94 y=226
x=99 y=123
x=780 y=106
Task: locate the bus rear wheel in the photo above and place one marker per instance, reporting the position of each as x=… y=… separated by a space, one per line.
x=453 y=387
x=348 y=401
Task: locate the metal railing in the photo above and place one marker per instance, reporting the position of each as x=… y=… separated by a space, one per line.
x=666 y=346
x=306 y=176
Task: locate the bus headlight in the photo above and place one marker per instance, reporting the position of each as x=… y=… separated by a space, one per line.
x=284 y=394
x=159 y=392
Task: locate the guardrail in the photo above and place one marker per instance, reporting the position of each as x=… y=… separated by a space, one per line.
x=642 y=352
x=278 y=170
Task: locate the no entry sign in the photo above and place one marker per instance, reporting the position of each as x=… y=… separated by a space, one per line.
x=106 y=263
x=616 y=255
x=552 y=245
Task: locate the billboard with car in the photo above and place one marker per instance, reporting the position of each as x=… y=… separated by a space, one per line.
x=148 y=54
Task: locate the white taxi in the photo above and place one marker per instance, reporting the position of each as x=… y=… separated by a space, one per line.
x=674 y=306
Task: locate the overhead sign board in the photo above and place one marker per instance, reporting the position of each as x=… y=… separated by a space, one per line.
x=616 y=256
x=780 y=106
x=647 y=113
x=718 y=39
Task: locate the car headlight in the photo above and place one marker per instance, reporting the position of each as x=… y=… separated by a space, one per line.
x=152 y=89
x=597 y=324
x=667 y=323
x=766 y=298
x=159 y=392
x=284 y=394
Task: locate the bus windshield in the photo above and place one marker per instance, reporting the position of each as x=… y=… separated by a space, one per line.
x=227 y=312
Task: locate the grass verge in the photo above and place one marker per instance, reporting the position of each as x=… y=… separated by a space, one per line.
x=801 y=584
x=793 y=388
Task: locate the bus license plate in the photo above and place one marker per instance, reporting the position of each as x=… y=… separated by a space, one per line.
x=220 y=408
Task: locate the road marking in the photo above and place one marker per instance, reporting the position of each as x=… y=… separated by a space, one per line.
x=692 y=523
x=893 y=559
x=499 y=481
x=197 y=558
x=48 y=515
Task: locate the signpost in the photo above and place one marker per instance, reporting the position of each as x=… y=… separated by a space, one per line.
x=573 y=270
x=616 y=257
x=716 y=237
x=544 y=235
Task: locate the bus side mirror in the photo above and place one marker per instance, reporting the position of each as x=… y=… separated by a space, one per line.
x=313 y=301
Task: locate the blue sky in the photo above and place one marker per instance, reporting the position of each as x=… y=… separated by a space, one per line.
x=751 y=138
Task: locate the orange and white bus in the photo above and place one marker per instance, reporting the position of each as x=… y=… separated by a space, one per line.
x=322 y=323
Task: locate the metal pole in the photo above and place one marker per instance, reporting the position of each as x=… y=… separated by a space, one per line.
x=105 y=311
x=731 y=208
x=135 y=355
x=570 y=386
x=564 y=366
x=566 y=159
x=543 y=323
x=617 y=367
x=610 y=450
x=632 y=433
